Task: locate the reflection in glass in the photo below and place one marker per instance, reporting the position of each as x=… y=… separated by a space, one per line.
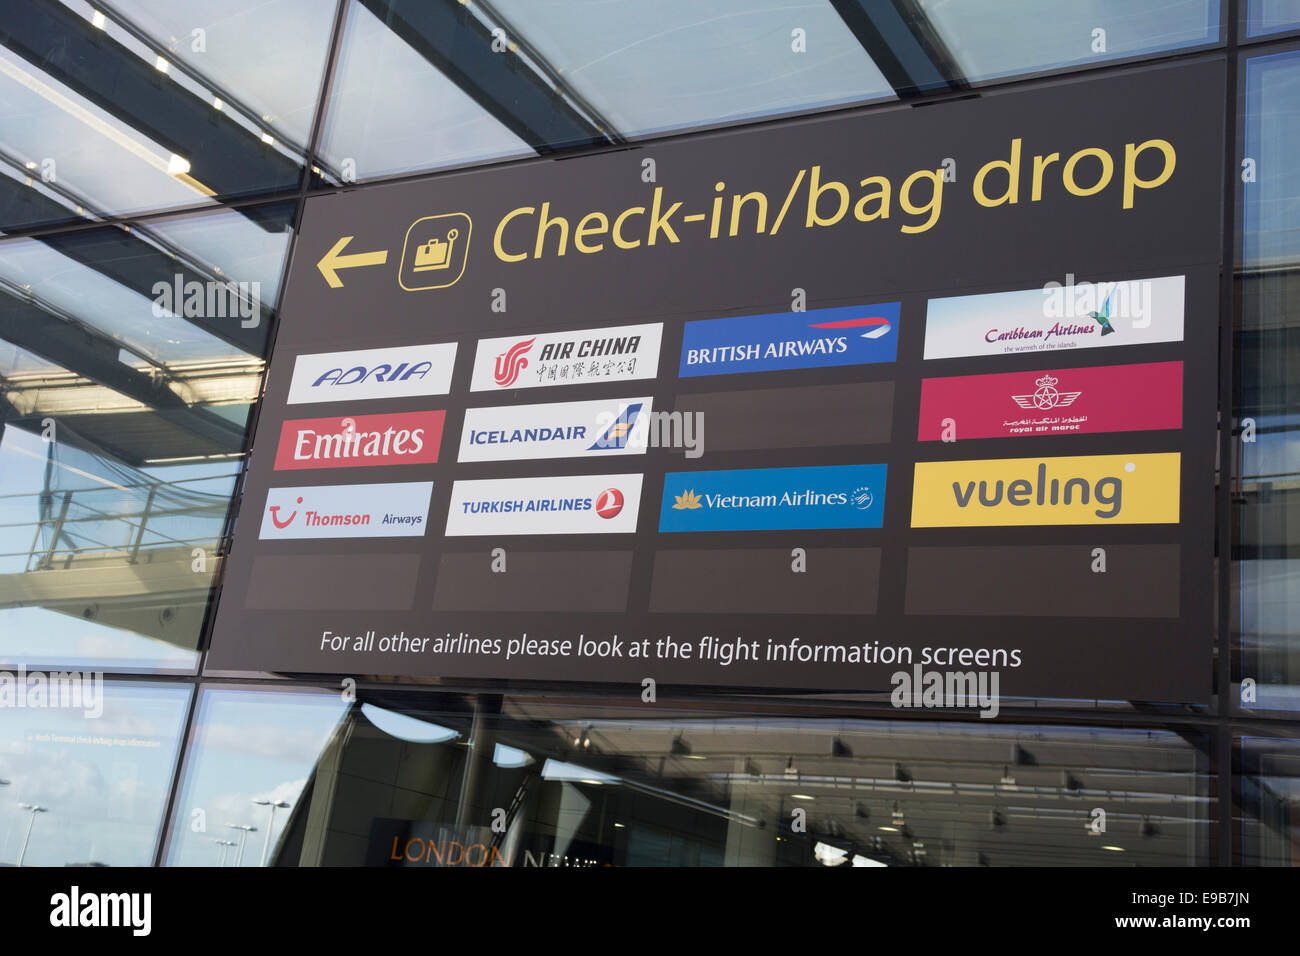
x=648 y=68
x=998 y=38
x=391 y=110
x=1272 y=16
x=1270 y=802
x=129 y=359
x=101 y=779
x=1267 y=348
x=252 y=751
x=446 y=781
x=101 y=114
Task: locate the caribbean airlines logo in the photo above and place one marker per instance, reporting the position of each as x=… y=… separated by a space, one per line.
x=400 y=438
x=1055 y=317
x=618 y=354
x=404 y=372
x=572 y=504
x=855 y=335
x=394 y=510
x=1107 y=398
x=511 y=362
x=1094 y=489
x=562 y=430
x=763 y=499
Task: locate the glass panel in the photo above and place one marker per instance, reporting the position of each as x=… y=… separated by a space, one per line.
x=1270 y=802
x=1272 y=16
x=996 y=38
x=86 y=784
x=250 y=746
x=391 y=110
x=130 y=359
x=420 y=783
x=118 y=113
x=1268 y=401
x=647 y=68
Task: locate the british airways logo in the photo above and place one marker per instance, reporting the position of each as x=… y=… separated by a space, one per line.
x=401 y=372
x=853 y=335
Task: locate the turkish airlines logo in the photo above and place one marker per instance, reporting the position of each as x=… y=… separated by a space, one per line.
x=609 y=503
x=511 y=362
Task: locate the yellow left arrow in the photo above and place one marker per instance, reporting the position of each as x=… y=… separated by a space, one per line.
x=334 y=260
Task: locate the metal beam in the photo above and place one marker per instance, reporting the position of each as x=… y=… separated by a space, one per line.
x=904 y=45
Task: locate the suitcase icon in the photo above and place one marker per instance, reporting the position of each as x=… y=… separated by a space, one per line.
x=435 y=253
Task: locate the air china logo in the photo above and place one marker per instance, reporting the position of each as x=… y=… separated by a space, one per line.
x=760 y=499
x=511 y=362
x=347 y=511
x=560 y=430
x=1046 y=396
x=854 y=335
x=578 y=504
x=1134 y=312
x=619 y=354
x=1105 y=398
x=401 y=438
x=1094 y=489
x=403 y=372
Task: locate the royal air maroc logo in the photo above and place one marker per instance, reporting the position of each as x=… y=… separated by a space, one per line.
x=1046 y=395
x=687 y=501
x=511 y=362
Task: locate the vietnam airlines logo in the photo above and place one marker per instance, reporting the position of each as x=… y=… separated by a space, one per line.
x=620 y=430
x=275 y=516
x=511 y=362
x=1046 y=396
x=875 y=326
x=687 y=501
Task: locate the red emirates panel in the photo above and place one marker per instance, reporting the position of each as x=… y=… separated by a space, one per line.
x=398 y=438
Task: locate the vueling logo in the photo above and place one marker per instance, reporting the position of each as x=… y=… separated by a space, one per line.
x=1095 y=489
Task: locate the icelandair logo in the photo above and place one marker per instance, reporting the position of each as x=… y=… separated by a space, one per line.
x=578 y=504
x=1094 y=489
x=404 y=372
x=854 y=335
x=757 y=499
x=561 y=430
x=400 y=438
x=396 y=510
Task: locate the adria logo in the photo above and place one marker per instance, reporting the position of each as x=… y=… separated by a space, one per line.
x=511 y=362
x=275 y=516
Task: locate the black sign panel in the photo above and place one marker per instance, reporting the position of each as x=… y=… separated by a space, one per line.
x=814 y=405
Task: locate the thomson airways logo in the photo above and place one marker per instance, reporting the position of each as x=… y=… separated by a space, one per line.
x=403 y=372
x=1095 y=489
x=348 y=511
x=619 y=354
x=404 y=438
x=577 y=504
